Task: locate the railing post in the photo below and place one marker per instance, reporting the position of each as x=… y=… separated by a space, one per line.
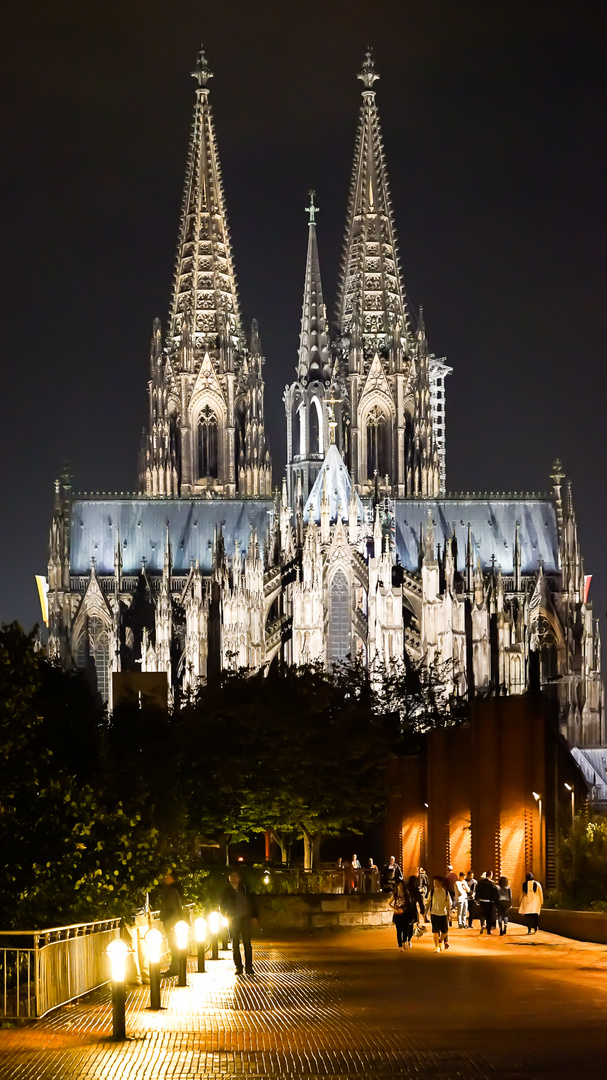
x=37 y=975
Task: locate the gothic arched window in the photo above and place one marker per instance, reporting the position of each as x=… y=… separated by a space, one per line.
x=339 y=621
x=93 y=653
x=315 y=447
x=378 y=444
x=207 y=444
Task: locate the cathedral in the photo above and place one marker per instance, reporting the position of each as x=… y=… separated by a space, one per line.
x=361 y=552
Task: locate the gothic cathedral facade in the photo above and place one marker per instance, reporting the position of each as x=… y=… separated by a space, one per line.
x=362 y=553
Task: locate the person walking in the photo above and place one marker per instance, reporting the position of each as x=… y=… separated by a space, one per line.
x=171 y=912
x=416 y=895
x=398 y=902
x=471 y=882
x=391 y=874
x=424 y=887
x=530 y=905
x=504 y=903
x=439 y=907
x=239 y=905
x=486 y=898
x=462 y=893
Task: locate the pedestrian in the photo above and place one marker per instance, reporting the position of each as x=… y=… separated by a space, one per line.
x=171 y=912
x=486 y=898
x=371 y=877
x=405 y=915
x=356 y=873
x=504 y=903
x=532 y=898
x=239 y=905
x=416 y=895
x=471 y=882
x=424 y=887
x=461 y=898
x=450 y=879
x=391 y=874
x=439 y=907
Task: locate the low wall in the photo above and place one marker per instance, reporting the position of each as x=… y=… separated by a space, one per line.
x=579 y=925
x=314 y=911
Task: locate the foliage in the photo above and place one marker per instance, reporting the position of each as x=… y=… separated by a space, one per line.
x=583 y=865
x=93 y=810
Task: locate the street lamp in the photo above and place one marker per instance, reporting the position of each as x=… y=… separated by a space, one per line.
x=571 y=789
x=153 y=940
x=200 y=929
x=214 y=922
x=182 y=933
x=117 y=952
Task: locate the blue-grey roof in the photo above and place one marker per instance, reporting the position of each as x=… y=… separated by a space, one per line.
x=493 y=526
x=334 y=474
x=142 y=526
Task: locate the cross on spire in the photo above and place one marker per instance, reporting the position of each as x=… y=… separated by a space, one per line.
x=368 y=74
x=312 y=210
x=202 y=72
x=558 y=473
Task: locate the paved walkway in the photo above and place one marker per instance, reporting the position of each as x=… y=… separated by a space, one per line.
x=347 y=1004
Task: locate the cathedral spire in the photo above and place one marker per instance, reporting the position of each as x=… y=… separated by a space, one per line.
x=370 y=289
x=205 y=282
x=314 y=360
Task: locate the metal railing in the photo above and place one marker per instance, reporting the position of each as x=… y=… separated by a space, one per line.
x=41 y=969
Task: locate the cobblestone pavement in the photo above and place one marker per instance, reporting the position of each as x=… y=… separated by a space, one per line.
x=348 y=1004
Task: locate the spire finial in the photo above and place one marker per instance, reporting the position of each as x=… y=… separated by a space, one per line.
x=368 y=75
x=312 y=209
x=202 y=72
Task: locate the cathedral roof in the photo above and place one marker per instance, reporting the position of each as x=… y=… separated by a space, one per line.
x=493 y=529
x=335 y=479
x=141 y=525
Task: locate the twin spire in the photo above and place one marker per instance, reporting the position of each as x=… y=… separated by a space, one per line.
x=205 y=296
x=314 y=360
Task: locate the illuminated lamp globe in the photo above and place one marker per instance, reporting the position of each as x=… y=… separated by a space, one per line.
x=200 y=929
x=182 y=933
x=214 y=922
x=224 y=921
x=118 y=951
x=153 y=940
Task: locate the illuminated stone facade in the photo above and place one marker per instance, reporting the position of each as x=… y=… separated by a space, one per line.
x=362 y=553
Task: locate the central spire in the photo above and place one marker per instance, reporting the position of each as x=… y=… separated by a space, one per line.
x=371 y=297
x=313 y=341
x=204 y=292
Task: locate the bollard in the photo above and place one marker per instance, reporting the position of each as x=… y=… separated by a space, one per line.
x=153 y=940
x=117 y=951
x=200 y=929
x=225 y=934
x=182 y=932
x=214 y=924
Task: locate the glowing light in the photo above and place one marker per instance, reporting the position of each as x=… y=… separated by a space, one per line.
x=266 y=879
x=214 y=921
x=536 y=796
x=118 y=951
x=153 y=940
x=200 y=929
x=568 y=786
x=224 y=921
x=182 y=932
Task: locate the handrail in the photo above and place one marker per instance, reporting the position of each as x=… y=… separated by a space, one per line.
x=59 y=929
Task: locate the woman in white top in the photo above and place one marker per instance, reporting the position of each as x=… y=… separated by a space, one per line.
x=531 y=902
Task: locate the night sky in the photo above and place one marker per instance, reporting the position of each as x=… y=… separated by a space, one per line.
x=494 y=123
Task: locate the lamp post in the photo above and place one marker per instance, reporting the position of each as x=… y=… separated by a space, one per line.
x=200 y=929
x=153 y=940
x=538 y=799
x=225 y=934
x=182 y=933
x=214 y=922
x=571 y=789
x=117 y=952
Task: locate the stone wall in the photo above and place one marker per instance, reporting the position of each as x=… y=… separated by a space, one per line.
x=315 y=911
x=579 y=925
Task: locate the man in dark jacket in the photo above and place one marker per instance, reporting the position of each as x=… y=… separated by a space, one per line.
x=171 y=911
x=239 y=905
x=486 y=897
x=391 y=875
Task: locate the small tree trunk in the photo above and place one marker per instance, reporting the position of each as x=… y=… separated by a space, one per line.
x=282 y=845
x=316 y=849
x=308 y=850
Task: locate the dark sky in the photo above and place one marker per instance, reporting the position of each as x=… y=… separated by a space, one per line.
x=494 y=122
